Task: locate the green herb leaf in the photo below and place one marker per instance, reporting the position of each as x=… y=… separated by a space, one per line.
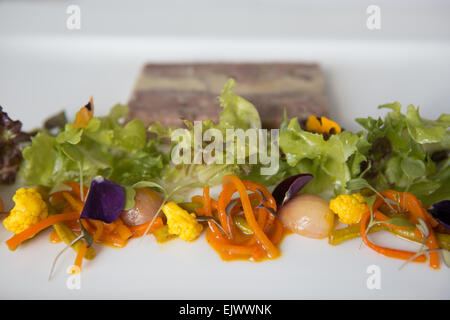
x=357 y=184
x=107 y=147
x=413 y=168
x=370 y=200
x=399 y=222
x=40 y=161
x=72 y=152
x=130 y=193
x=426 y=131
x=70 y=135
x=327 y=160
x=407 y=165
x=149 y=184
x=185 y=186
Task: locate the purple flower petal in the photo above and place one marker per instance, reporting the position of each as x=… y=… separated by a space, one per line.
x=105 y=201
x=289 y=187
x=441 y=212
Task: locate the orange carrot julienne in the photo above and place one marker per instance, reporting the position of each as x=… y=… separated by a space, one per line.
x=30 y=232
x=278 y=232
x=54 y=238
x=392 y=253
x=97 y=234
x=231 y=184
x=139 y=230
x=122 y=230
x=207 y=201
x=113 y=239
x=233 y=244
x=80 y=255
x=76 y=205
x=76 y=189
x=415 y=209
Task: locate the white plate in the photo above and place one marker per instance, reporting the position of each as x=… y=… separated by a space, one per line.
x=41 y=73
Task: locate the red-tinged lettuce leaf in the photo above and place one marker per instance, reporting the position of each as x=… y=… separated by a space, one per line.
x=441 y=212
x=289 y=187
x=12 y=139
x=105 y=201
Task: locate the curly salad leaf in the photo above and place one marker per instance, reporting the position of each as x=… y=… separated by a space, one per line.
x=332 y=162
x=237 y=113
x=403 y=153
x=105 y=146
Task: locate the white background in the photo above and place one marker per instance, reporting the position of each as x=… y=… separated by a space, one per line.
x=45 y=68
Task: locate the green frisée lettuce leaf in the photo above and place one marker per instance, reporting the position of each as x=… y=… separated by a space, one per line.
x=40 y=160
x=401 y=152
x=106 y=146
x=332 y=162
x=425 y=131
x=237 y=113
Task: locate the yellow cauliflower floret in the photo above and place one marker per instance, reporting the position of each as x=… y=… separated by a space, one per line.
x=29 y=209
x=349 y=207
x=181 y=222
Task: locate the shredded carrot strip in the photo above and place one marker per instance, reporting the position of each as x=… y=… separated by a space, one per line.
x=89 y=225
x=278 y=232
x=416 y=210
x=114 y=240
x=272 y=251
x=393 y=253
x=76 y=189
x=207 y=201
x=139 y=230
x=36 y=228
x=234 y=244
x=122 y=230
x=76 y=205
x=98 y=233
x=57 y=198
x=110 y=227
x=80 y=255
x=54 y=238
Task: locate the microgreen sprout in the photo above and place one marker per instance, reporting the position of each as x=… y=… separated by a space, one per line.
x=421 y=251
x=423 y=228
x=212 y=219
x=84 y=235
x=360 y=183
